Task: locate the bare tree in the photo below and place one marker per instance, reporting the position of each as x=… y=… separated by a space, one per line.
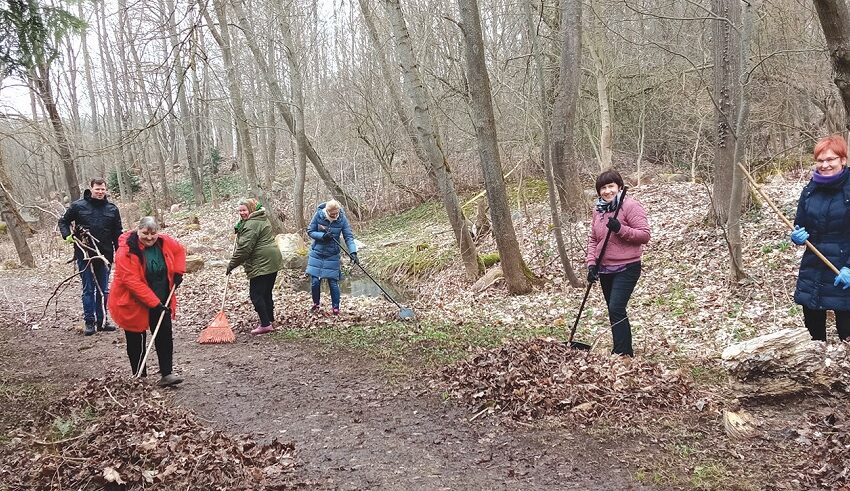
x=517 y=274
x=14 y=223
x=427 y=136
x=834 y=18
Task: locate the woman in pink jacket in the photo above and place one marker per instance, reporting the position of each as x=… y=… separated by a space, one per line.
x=619 y=269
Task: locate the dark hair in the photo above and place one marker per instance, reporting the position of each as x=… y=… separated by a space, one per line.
x=608 y=177
x=97 y=180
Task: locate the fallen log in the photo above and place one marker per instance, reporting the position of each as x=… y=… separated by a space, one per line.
x=787 y=362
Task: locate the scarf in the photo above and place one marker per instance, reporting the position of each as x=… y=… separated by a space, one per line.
x=603 y=206
x=827 y=180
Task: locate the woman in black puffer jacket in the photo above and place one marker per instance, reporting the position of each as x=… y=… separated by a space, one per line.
x=823 y=218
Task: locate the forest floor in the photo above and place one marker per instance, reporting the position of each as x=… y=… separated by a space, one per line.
x=370 y=402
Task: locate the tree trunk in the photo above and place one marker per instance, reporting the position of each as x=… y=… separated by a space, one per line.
x=545 y=114
x=513 y=265
x=427 y=137
x=69 y=170
x=222 y=37
x=185 y=118
x=834 y=18
x=296 y=87
x=353 y=207
x=733 y=225
x=98 y=138
x=606 y=131
x=785 y=363
x=564 y=164
x=727 y=70
x=15 y=225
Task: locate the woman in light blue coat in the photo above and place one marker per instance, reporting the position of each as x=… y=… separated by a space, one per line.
x=325 y=229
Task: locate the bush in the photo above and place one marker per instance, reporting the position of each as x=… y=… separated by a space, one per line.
x=112 y=182
x=225 y=185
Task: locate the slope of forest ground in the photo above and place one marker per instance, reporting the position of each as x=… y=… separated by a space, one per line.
x=384 y=376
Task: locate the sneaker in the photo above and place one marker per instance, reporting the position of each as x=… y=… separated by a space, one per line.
x=262 y=329
x=107 y=327
x=90 y=329
x=315 y=308
x=336 y=311
x=170 y=379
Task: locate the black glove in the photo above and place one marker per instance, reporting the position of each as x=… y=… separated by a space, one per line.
x=228 y=271
x=354 y=258
x=592 y=273
x=178 y=279
x=327 y=236
x=614 y=225
x=161 y=309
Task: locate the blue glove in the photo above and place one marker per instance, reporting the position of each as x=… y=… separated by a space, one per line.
x=799 y=236
x=843 y=278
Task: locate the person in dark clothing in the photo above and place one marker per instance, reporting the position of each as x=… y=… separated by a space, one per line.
x=823 y=218
x=96 y=228
x=257 y=252
x=147 y=266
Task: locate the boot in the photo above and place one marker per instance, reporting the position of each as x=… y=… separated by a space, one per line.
x=170 y=379
x=90 y=329
x=105 y=326
x=315 y=308
x=336 y=310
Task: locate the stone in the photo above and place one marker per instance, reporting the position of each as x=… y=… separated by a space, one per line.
x=787 y=362
x=193 y=226
x=489 y=279
x=175 y=207
x=293 y=249
x=194 y=264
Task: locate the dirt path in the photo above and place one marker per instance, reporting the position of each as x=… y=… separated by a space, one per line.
x=351 y=427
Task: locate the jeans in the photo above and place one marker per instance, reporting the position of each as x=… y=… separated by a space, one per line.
x=94 y=302
x=815 y=321
x=316 y=290
x=260 y=291
x=164 y=343
x=617 y=289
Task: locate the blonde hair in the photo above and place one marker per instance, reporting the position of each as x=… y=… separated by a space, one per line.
x=249 y=203
x=333 y=205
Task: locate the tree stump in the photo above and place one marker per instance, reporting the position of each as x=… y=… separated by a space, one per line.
x=787 y=362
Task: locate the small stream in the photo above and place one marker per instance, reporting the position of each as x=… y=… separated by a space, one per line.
x=357 y=286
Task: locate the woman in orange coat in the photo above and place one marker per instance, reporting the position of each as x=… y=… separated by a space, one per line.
x=147 y=266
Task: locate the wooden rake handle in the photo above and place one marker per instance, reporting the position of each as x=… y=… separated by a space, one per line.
x=782 y=217
x=155 y=332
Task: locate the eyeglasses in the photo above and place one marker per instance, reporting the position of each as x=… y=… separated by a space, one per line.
x=826 y=161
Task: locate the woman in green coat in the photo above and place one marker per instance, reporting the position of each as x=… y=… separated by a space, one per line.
x=257 y=252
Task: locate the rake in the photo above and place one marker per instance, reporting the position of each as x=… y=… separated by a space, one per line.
x=218 y=331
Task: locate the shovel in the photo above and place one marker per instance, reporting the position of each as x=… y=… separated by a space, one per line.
x=575 y=344
x=404 y=313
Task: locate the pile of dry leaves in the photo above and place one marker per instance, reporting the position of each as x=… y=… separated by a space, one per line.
x=827 y=463
x=540 y=377
x=116 y=434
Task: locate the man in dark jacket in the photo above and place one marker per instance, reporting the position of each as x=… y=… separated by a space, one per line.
x=97 y=226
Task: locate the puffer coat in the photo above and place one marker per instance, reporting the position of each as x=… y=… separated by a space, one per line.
x=324 y=258
x=256 y=250
x=824 y=210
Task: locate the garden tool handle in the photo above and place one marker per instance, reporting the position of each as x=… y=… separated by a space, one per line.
x=367 y=273
x=782 y=217
x=153 y=336
x=224 y=293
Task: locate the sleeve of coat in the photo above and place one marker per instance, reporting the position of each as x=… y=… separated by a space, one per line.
x=117 y=229
x=136 y=284
x=178 y=254
x=801 y=204
x=591 y=243
x=313 y=229
x=349 y=237
x=635 y=227
x=66 y=219
x=246 y=241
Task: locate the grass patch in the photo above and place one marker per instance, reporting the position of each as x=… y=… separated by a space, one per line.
x=403 y=346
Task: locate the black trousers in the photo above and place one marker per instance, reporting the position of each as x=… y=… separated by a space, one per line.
x=260 y=291
x=815 y=321
x=164 y=343
x=617 y=289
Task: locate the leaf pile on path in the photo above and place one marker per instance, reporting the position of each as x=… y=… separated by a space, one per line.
x=541 y=377
x=113 y=433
